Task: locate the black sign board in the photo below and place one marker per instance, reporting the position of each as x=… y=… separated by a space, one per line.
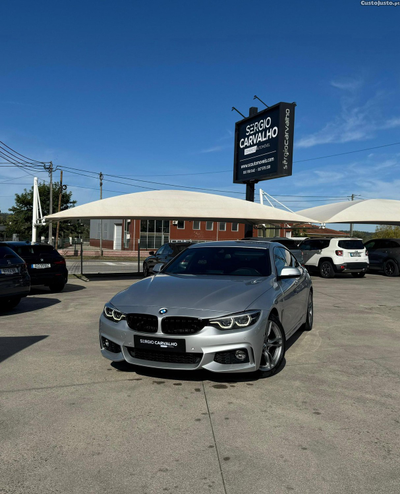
x=264 y=144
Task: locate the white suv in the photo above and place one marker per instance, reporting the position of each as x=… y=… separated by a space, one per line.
x=335 y=255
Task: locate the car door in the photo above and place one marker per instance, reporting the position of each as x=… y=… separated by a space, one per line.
x=376 y=253
x=311 y=250
x=289 y=300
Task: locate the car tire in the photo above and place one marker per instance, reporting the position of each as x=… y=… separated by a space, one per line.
x=310 y=313
x=57 y=286
x=9 y=303
x=145 y=271
x=390 y=268
x=358 y=275
x=326 y=269
x=274 y=346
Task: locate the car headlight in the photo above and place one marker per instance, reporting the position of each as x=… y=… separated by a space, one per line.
x=112 y=313
x=236 y=321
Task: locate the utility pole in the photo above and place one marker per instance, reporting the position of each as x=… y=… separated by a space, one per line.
x=101 y=176
x=59 y=207
x=250 y=186
x=50 y=170
x=351 y=224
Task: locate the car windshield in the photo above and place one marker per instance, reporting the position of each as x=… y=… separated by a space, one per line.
x=351 y=244
x=231 y=261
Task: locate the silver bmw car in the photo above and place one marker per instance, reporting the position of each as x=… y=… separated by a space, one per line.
x=220 y=306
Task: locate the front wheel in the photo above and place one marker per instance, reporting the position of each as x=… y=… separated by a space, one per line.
x=145 y=271
x=326 y=269
x=390 y=268
x=274 y=347
x=9 y=303
x=310 y=313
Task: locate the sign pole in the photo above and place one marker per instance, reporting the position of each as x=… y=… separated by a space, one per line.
x=250 y=186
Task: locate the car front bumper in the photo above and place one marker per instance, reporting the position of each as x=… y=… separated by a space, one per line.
x=206 y=349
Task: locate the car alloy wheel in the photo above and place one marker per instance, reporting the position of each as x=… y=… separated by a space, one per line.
x=390 y=268
x=273 y=349
x=145 y=271
x=326 y=269
x=310 y=313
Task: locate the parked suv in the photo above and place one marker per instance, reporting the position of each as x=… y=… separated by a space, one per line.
x=384 y=255
x=15 y=281
x=335 y=255
x=45 y=265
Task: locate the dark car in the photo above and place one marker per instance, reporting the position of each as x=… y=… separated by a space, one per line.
x=164 y=254
x=290 y=243
x=15 y=281
x=384 y=255
x=45 y=265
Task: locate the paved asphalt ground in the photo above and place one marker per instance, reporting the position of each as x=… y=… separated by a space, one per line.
x=70 y=422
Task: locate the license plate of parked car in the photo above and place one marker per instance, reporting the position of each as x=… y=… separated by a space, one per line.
x=9 y=270
x=355 y=254
x=148 y=343
x=41 y=266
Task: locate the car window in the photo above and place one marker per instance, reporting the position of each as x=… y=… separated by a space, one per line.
x=282 y=259
x=168 y=250
x=231 y=261
x=351 y=244
x=306 y=245
x=7 y=253
x=160 y=250
x=179 y=248
x=392 y=244
x=370 y=245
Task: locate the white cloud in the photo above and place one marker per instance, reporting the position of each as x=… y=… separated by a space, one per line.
x=348 y=84
x=354 y=123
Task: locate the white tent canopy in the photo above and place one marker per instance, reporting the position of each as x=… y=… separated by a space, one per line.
x=179 y=205
x=370 y=211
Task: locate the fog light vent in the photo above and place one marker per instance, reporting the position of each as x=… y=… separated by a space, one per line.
x=110 y=346
x=239 y=356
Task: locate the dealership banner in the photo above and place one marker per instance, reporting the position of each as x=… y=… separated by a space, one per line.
x=264 y=144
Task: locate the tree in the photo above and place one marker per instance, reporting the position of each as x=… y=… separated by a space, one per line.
x=20 y=219
x=387 y=231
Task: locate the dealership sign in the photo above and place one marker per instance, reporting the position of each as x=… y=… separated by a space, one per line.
x=264 y=144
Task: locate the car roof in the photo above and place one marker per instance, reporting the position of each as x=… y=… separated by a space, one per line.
x=233 y=243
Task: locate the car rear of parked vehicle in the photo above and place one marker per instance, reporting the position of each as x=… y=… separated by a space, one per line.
x=329 y=256
x=384 y=255
x=15 y=281
x=45 y=265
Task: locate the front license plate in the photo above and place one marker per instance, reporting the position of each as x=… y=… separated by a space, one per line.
x=160 y=344
x=41 y=266
x=9 y=270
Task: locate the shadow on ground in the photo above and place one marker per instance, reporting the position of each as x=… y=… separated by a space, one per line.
x=30 y=304
x=42 y=289
x=10 y=345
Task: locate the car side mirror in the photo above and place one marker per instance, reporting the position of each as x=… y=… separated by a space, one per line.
x=158 y=267
x=151 y=252
x=289 y=273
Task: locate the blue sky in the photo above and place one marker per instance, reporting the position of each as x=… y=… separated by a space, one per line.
x=144 y=90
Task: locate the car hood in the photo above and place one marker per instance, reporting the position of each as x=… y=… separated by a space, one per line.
x=185 y=294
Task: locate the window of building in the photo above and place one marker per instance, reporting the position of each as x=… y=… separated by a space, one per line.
x=196 y=225
x=235 y=227
x=222 y=226
x=181 y=225
x=209 y=225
